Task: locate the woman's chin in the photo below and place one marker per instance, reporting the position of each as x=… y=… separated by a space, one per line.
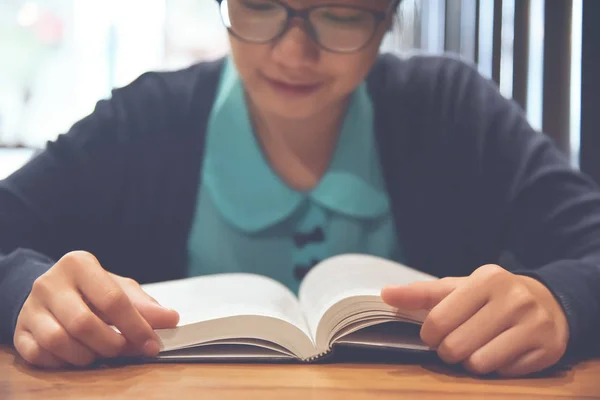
x=290 y=108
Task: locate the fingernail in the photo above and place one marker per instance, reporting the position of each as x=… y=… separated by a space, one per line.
x=151 y=348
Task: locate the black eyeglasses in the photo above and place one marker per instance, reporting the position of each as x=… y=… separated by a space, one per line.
x=335 y=28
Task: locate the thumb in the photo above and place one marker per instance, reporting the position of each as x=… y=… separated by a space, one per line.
x=157 y=316
x=419 y=295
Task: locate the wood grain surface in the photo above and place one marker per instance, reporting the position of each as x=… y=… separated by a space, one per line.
x=345 y=380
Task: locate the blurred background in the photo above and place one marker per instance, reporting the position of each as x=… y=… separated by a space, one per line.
x=59 y=57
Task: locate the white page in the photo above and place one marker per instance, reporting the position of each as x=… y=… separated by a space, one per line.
x=226 y=295
x=350 y=275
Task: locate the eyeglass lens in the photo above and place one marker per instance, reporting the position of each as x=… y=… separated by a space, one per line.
x=338 y=28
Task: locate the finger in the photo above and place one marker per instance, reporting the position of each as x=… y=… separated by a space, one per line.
x=97 y=312
x=533 y=361
x=33 y=353
x=419 y=295
x=454 y=310
x=162 y=318
x=487 y=323
x=158 y=318
x=156 y=315
x=500 y=351
x=82 y=324
x=53 y=338
x=108 y=297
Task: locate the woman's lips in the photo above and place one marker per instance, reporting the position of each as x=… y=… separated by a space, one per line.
x=294 y=89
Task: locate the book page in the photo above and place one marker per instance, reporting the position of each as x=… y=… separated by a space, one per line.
x=224 y=352
x=350 y=275
x=228 y=295
x=390 y=335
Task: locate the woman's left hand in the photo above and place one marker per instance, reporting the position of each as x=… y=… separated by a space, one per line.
x=491 y=321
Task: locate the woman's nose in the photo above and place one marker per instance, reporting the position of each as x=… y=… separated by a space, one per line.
x=295 y=49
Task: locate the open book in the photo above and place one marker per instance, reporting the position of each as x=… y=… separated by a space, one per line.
x=251 y=317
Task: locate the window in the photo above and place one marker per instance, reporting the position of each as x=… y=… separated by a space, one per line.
x=59 y=57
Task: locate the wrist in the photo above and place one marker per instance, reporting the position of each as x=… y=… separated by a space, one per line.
x=547 y=300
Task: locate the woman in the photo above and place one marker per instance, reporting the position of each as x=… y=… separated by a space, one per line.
x=304 y=144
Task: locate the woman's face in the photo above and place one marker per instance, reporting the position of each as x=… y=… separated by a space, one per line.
x=293 y=77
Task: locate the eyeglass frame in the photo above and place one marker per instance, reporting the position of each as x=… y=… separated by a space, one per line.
x=304 y=14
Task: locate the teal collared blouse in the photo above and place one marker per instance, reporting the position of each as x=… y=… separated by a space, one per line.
x=249 y=220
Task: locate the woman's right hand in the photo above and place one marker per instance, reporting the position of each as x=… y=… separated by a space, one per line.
x=67 y=318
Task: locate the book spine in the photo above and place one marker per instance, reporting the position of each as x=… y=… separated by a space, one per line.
x=318 y=356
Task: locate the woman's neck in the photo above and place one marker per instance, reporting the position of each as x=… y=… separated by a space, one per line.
x=299 y=150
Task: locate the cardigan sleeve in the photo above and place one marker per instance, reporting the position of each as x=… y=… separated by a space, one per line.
x=536 y=205
x=67 y=197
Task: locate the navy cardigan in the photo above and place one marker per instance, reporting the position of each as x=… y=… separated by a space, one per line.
x=469 y=179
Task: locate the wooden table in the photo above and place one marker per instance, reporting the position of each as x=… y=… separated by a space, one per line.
x=345 y=381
